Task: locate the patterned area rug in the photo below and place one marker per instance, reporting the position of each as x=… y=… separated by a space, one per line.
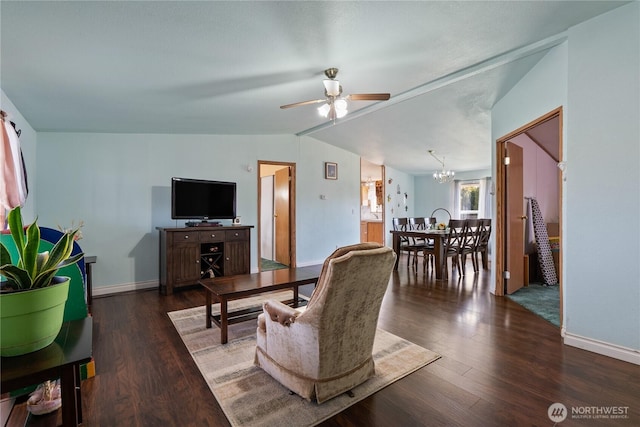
x=250 y=397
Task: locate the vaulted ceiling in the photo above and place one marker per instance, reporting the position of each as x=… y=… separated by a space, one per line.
x=216 y=67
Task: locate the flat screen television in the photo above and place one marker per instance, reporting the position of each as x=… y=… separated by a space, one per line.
x=202 y=199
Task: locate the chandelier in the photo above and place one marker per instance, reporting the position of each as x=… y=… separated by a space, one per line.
x=444 y=175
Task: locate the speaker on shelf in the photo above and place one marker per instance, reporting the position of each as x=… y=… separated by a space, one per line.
x=236 y=220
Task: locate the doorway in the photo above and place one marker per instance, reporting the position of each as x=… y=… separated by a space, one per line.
x=513 y=191
x=276 y=215
x=371 y=202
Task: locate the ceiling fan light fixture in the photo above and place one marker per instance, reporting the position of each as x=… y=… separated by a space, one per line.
x=323 y=110
x=332 y=87
x=341 y=113
x=341 y=105
x=335 y=106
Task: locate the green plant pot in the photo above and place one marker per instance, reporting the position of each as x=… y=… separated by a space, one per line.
x=31 y=320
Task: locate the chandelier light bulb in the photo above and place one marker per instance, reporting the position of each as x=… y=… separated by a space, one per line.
x=444 y=175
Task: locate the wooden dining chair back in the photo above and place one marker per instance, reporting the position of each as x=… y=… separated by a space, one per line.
x=482 y=245
x=422 y=244
x=469 y=244
x=453 y=243
x=402 y=224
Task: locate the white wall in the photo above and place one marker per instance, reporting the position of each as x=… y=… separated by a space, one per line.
x=267 y=242
x=119 y=185
x=594 y=76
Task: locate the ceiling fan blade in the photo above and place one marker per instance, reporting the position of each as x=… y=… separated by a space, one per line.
x=298 y=104
x=369 y=97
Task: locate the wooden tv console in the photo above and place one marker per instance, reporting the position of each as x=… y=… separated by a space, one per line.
x=190 y=254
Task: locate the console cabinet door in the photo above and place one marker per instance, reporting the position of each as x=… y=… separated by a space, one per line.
x=236 y=258
x=185 y=261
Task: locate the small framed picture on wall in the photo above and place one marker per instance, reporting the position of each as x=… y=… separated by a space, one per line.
x=330 y=170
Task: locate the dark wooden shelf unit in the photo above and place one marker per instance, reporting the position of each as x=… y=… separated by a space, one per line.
x=193 y=253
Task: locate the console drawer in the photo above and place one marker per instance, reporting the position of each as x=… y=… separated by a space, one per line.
x=185 y=236
x=232 y=235
x=211 y=236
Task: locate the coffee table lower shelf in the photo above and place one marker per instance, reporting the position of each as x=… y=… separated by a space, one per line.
x=249 y=313
x=227 y=288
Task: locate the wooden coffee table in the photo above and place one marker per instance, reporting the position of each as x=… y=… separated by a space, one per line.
x=226 y=288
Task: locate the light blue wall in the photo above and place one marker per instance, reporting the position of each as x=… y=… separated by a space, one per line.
x=594 y=76
x=431 y=195
x=119 y=185
x=603 y=140
x=28 y=140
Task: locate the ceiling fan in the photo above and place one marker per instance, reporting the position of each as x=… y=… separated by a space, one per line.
x=335 y=106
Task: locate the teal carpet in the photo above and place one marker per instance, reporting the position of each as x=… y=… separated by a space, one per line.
x=267 y=264
x=542 y=300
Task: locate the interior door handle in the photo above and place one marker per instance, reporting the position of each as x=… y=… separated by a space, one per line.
x=523 y=217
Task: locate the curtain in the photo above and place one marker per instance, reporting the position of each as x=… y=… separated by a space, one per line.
x=484 y=208
x=13 y=186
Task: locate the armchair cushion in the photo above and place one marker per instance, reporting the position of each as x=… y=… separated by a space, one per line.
x=280 y=312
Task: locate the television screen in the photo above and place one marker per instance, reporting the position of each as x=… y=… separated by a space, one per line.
x=201 y=199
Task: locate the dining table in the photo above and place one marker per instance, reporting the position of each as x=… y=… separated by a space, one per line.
x=438 y=236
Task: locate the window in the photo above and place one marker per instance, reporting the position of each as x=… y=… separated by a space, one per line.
x=469 y=199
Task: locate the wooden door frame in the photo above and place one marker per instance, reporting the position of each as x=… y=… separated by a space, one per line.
x=292 y=209
x=501 y=205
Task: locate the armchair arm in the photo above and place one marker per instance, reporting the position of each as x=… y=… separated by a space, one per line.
x=279 y=312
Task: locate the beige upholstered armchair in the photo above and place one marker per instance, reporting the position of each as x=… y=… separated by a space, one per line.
x=325 y=349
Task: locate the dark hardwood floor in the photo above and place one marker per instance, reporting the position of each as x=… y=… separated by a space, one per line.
x=501 y=365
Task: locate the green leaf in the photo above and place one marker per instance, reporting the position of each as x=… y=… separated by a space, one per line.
x=43 y=280
x=18 y=275
x=5 y=256
x=41 y=260
x=15 y=225
x=60 y=251
x=30 y=253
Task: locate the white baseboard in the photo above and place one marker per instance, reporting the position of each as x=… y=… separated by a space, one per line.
x=126 y=287
x=307 y=264
x=600 y=347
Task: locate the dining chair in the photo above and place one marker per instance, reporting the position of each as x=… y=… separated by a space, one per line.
x=453 y=244
x=402 y=224
x=427 y=246
x=469 y=244
x=482 y=244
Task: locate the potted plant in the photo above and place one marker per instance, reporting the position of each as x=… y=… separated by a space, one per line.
x=32 y=297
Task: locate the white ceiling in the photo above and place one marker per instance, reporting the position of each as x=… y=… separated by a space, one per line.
x=225 y=68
